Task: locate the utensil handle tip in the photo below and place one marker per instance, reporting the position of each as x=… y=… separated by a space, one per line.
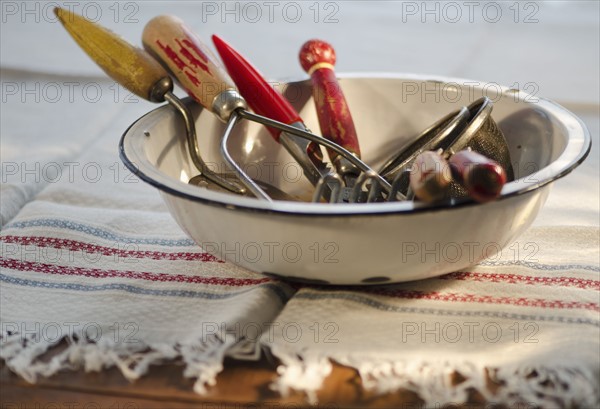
x=316 y=52
x=483 y=177
x=130 y=66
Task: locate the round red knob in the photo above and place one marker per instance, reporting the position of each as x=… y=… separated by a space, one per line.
x=315 y=52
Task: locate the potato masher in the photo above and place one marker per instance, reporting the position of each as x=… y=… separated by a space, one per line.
x=318 y=58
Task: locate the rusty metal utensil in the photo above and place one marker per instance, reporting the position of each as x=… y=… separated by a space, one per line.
x=439 y=135
x=470 y=127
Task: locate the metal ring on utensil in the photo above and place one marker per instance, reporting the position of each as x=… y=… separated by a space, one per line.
x=438 y=135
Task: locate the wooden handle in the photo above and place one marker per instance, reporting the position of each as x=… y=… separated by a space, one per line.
x=187 y=58
x=482 y=177
x=318 y=58
x=130 y=66
x=430 y=177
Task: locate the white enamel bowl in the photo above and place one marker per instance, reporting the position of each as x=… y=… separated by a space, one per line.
x=357 y=243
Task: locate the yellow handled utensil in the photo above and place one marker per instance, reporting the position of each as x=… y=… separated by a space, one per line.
x=137 y=71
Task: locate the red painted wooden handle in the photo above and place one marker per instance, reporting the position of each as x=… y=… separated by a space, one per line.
x=482 y=177
x=318 y=58
x=189 y=60
x=260 y=95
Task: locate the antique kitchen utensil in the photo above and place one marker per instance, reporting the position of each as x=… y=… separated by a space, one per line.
x=318 y=59
x=482 y=135
x=266 y=101
x=437 y=136
x=473 y=128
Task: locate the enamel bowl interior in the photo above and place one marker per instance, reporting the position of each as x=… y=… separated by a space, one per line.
x=545 y=142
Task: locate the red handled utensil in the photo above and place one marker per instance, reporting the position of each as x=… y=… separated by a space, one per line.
x=335 y=120
x=266 y=101
x=318 y=58
x=482 y=177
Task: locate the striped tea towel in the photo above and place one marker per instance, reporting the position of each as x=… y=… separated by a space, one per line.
x=526 y=321
x=97 y=260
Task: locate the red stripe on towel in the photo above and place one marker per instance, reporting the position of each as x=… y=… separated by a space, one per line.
x=127 y=250
x=99 y=273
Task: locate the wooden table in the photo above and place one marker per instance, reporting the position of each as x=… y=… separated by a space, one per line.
x=241 y=384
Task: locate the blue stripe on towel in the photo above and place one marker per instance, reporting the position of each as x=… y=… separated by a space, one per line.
x=98 y=232
x=277 y=289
